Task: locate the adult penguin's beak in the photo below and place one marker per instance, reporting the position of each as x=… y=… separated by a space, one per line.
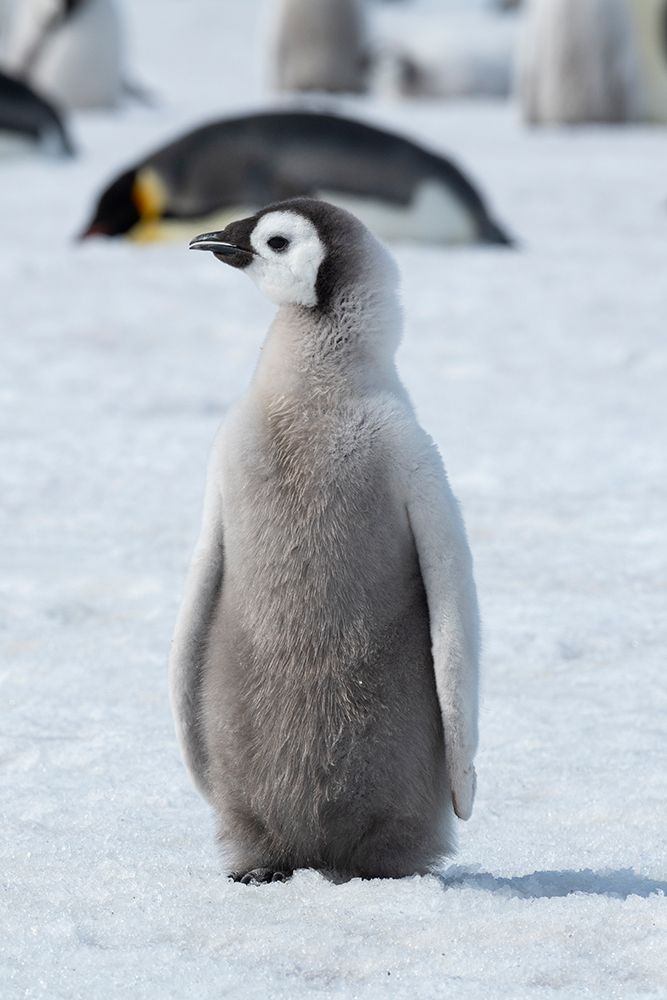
x=231 y=245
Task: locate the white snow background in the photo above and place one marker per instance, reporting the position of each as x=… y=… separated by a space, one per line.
x=542 y=374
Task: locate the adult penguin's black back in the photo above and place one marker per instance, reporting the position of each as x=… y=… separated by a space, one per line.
x=27 y=114
x=400 y=189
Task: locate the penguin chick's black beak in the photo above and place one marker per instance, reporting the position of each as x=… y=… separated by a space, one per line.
x=221 y=246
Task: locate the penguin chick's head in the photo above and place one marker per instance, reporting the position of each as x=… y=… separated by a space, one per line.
x=302 y=252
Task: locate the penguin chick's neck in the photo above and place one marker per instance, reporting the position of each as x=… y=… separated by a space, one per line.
x=345 y=349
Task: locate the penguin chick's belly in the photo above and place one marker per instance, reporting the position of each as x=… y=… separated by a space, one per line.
x=321 y=715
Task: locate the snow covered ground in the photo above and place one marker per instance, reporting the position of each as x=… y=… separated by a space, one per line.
x=542 y=375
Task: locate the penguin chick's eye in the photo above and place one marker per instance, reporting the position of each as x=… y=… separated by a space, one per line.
x=278 y=243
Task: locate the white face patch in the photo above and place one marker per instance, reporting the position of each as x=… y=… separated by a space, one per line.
x=286 y=272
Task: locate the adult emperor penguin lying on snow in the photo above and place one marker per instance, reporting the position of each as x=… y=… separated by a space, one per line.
x=232 y=167
x=324 y=666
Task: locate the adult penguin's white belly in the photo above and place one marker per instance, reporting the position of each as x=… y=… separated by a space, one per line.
x=433 y=216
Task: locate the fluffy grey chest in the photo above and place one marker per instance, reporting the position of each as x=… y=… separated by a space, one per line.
x=316 y=461
x=317 y=506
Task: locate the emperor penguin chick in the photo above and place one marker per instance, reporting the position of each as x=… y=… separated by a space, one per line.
x=324 y=667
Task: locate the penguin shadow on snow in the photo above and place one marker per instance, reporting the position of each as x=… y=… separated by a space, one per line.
x=618 y=884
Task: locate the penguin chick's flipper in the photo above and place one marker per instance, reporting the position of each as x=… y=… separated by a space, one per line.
x=195 y=620
x=446 y=568
x=259 y=876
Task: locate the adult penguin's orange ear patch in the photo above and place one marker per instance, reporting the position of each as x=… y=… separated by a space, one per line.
x=149 y=194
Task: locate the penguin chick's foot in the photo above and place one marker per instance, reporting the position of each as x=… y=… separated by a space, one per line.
x=257 y=876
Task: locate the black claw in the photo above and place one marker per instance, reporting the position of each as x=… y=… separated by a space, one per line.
x=258 y=876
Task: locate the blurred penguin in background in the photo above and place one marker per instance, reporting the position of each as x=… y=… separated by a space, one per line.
x=320 y=45
x=5 y=10
x=472 y=59
x=464 y=52
x=398 y=188
x=69 y=50
x=650 y=24
x=29 y=121
x=578 y=62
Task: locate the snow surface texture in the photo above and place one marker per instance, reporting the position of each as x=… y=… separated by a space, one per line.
x=542 y=375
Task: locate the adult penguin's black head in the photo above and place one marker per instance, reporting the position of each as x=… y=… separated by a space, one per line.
x=138 y=198
x=117 y=211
